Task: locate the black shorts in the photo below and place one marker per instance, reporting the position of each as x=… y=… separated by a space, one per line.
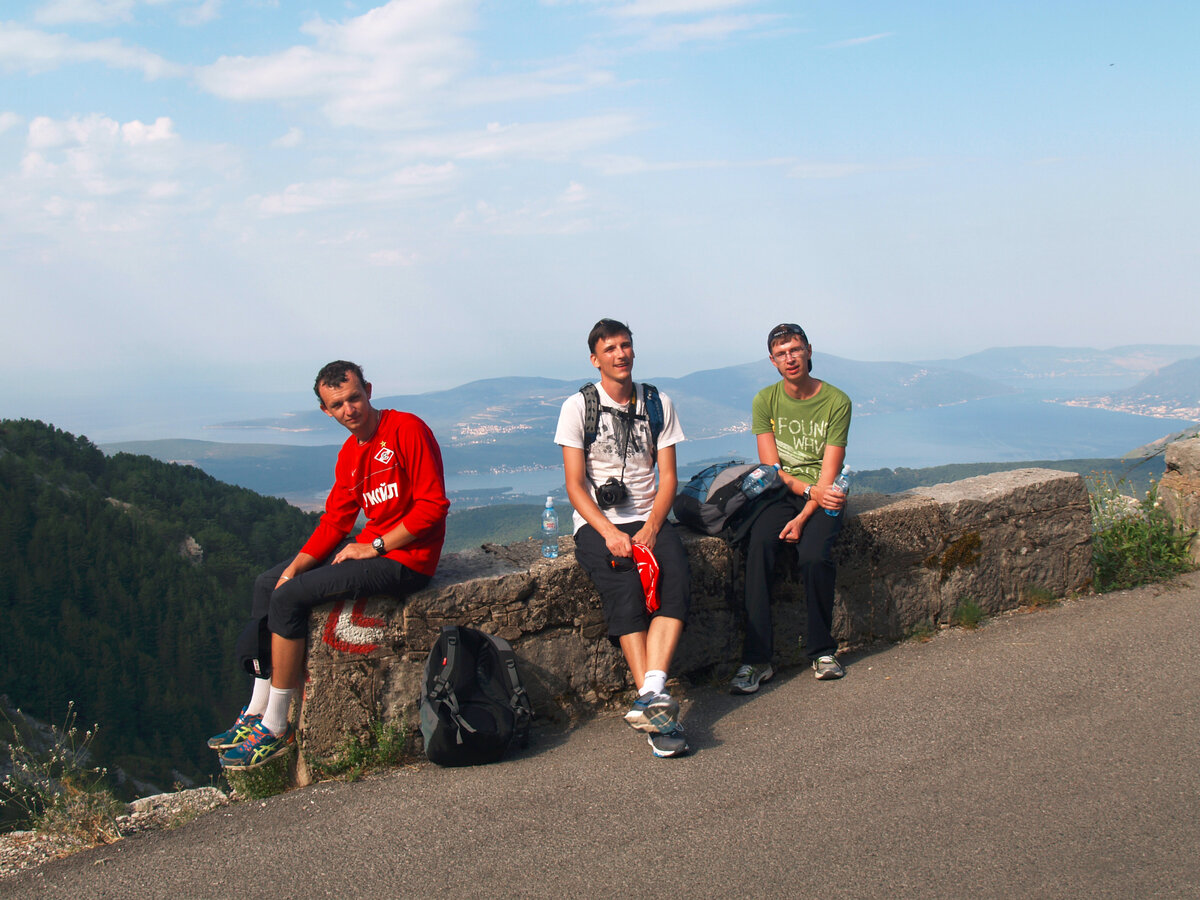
x=620 y=587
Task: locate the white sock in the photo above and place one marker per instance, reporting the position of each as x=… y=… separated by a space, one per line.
x=258 y=699
x=275 y=719
x=655 y=682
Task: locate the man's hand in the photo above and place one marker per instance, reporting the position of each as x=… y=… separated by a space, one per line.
x=829 y=497
x=619 y=544
x=791 y=531
x=355 y=550
x=646 y=536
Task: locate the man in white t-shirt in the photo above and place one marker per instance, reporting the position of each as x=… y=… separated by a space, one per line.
x=619 y=502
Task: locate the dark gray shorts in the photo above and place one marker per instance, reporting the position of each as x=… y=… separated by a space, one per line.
x=620 y=587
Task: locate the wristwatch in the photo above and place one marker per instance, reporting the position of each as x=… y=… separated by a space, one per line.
x=378 y=545
x=807 y=495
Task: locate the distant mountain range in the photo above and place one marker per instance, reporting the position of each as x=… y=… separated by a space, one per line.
x=502 y=425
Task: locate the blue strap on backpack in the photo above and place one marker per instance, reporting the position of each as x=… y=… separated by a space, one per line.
x=591 y=414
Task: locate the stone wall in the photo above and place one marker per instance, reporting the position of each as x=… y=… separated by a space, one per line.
x=904 y=561
x=1179 y=489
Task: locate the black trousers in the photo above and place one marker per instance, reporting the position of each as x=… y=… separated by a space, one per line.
x=814 y=551
x=287 y=607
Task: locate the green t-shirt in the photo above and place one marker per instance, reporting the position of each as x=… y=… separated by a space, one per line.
x=802 y=428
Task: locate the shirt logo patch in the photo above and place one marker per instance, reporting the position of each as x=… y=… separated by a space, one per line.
x=384 y=456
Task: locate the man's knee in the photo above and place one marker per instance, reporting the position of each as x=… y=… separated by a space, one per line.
x=287 y=617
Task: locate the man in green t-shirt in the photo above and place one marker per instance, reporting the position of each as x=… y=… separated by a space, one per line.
x=801 y=424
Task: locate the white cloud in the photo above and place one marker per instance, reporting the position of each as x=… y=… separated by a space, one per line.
x=139 y=133
x=855 y=42
x=391 y=258
x=314 y=196
x=634 y=165
x=38 y=51
x=8 y=120
x=827 y=170
x=652 y=8
x=554 y=81
x=61 y=12
x=380 y=69
x=538 y=140
x=717 y=28
x=570 y=212
x=94 y=173
x=205 y=12
x=575 y=193
x=293 y=138
x=100 y=12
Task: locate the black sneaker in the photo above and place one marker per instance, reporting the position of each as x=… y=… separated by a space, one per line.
x=668 y=743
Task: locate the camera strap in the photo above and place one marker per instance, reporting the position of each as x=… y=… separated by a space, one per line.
x=629 y=416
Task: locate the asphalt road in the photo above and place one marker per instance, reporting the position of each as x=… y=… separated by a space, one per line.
x=1048 y=754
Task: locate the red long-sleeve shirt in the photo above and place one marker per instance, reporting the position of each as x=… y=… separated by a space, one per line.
x=395 y=477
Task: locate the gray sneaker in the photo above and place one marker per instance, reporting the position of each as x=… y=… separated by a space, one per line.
x=747 y=679
x=653 y=712
x=668 y=743
x=827 y=667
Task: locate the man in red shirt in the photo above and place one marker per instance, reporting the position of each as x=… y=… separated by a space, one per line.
x=390 y=469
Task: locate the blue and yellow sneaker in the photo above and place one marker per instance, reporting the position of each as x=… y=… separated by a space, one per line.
x=260 y=746
x=235 y=735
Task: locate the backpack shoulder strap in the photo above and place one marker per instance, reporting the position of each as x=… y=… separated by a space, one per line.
x=522 y=709
x=442 y=690
x=591 y=414
x=654 y=412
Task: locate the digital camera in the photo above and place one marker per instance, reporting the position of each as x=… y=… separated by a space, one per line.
x=611 y=493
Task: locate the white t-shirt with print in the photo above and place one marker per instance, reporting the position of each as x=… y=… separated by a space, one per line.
x=603 y=459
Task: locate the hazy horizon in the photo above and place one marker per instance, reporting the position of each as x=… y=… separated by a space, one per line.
x=201 y=199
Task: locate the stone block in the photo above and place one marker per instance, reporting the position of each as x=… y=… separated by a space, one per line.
x=1179 y=489
x=903 y=561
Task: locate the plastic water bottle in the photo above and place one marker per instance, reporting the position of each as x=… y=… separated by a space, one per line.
x=549 y=530
x=842 y=483
x=758 y=480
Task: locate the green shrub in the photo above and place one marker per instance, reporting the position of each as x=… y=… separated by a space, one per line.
x=385 y=745
x=1037 y=596
x=922 y=632
x=265 y=780
x=1133 y=542
x=967 y=614
x=51 y=788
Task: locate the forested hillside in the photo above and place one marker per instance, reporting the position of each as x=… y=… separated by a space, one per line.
x=105 y=601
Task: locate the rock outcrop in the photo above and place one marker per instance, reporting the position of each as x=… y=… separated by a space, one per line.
x=1179 y=489
x=905 y=561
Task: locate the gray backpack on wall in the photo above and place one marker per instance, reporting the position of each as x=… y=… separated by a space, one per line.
x=725 y=496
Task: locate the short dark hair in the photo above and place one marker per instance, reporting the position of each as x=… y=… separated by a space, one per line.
x=606 y=328
x=334 y=374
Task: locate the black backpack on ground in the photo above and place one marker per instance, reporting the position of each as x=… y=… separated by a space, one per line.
x=720 y=498
x=472 y=703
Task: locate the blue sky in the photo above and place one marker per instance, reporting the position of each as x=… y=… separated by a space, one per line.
x=202 y=201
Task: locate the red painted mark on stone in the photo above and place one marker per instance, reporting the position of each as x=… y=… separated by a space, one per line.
x=352 y=631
